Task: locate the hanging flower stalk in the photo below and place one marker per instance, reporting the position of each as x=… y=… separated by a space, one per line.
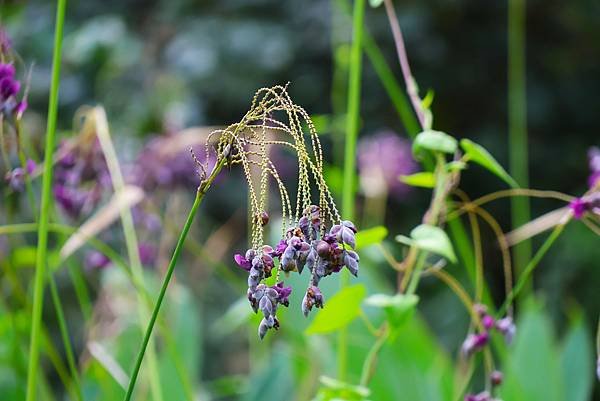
x=313 y=235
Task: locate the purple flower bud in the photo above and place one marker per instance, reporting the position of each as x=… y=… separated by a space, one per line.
x=263 y=327
x=30 y=166
x=9 y=87
x=147 y=253
x=312 y=298
x=242 y=262
x=16 y=179
x=496 y=378
x=474 y=343
x=487 y=321
x=578 y=207
x=507 y=327
x=7 y=70
x=264 y=218
x=96 y=260
x=351 y=262
x=21 y=107
x=323 y=249
x=283 y=293
x=279 y=249
x=348 y=237
x=483 y=396
x=350 y=225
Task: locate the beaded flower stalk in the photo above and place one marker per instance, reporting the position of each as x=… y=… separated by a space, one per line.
x=313 y=235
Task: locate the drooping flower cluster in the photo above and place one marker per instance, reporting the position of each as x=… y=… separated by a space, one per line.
x=477 y=341
x=81 y=176
x=314 y=237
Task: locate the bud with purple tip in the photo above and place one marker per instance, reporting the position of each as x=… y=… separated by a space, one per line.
x=507 y=327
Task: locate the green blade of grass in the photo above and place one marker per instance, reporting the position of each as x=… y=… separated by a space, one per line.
x=352 y=127
x=517 y=129
x=40 y=271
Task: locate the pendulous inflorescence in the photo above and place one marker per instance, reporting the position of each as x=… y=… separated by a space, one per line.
x=314 y=237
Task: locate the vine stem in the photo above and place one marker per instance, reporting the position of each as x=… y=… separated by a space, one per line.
x=528 y=270
x=202 y=189
x=411 y=84
x=42 y=244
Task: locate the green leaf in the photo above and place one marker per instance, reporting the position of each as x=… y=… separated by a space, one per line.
x=398 y=308
x=577 y=363
x=434 y=141
x=478 y=154
x=375 y=3
x=430 y=238
x=336 y=390
x=423 y=179
x=371 y=236
x=428 y=99
x=339 y=311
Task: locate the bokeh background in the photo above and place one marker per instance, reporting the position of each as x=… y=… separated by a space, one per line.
x=162 y=66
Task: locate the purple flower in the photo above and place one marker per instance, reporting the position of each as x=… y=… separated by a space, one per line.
x=147 y=253
x=382 y=159
x=283 y=293
x=312 y=298
x=7 y=71
x=594 y=162
x=578 y=207
x=483 y=396
x=16 y=179
x=496 y=378
x=487 y=321
x=30 y=166
x=474 y=343
x=96 y=260
x=507 y=328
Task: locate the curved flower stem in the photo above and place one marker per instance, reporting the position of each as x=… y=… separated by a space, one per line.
x=204 y=186
x=528 y=270
x=42 y=245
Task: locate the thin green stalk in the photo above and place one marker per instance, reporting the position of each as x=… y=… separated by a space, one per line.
x=352 y=126
x=204 y=186
x=517 y=128
x=64 y=333
x=530 y=267
x=131 y=241
x=369 y=364
x=42 y=246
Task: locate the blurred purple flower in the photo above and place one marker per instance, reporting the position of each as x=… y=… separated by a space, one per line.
x=594 y=162
x=81 y=177
x=382 y=159
x=96 y=260
x=16 y=179
x=147 y=253
x=474 y=343
x=507 y=327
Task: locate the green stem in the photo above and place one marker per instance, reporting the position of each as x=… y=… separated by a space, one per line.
x=352 y=126
x=517 y=127
x=530 y=267
x=64 y=333
x=42 y=246
x=204 y=186
x=371 y=359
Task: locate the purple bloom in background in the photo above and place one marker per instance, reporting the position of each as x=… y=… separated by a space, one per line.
x=161 y=165
x=96 y=260
x=382 y=159
x=147 y=253
x=578 y=207
x=16 y=179
x=81 y=177
x=474 y=343
x=507 y=327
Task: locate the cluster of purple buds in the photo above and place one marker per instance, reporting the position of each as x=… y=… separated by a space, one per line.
x=594 y=161
x=9 y=89
x=476 y=342
x=16 y=177
x=304 y=246
x=81 y=177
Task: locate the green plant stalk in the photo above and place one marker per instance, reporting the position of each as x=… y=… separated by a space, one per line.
x=517 y=129
x=204 y=186
x=42 y=245
x=131 y=241
x=64 y=333
x=530 y=268
x=369 y=364
x=352 y=126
